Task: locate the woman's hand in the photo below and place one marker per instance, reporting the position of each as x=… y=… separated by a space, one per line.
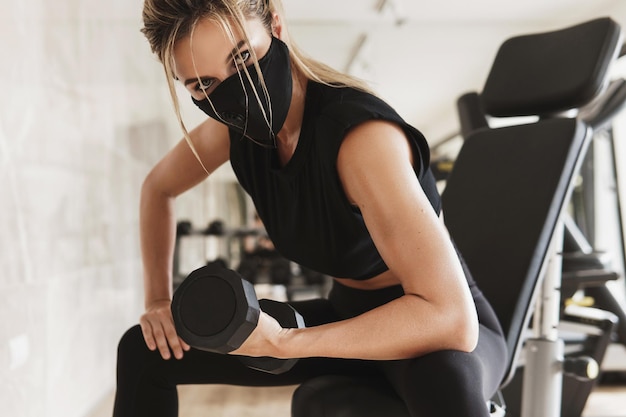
x=264 y=340
x=157 y=326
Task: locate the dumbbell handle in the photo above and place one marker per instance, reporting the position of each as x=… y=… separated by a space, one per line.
x=277 y=310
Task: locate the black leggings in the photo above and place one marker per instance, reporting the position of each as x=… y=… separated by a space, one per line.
x=444 y=383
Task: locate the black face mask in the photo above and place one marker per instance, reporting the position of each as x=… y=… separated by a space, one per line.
x=235 y=103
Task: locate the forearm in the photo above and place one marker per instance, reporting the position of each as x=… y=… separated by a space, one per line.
x=404 y=328
x=158 y=234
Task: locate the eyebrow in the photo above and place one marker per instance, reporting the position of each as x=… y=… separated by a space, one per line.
x=230 y=56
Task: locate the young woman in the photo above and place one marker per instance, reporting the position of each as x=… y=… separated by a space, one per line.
x=343 y=186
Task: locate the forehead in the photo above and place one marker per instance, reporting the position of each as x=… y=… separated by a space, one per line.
x=210 y=47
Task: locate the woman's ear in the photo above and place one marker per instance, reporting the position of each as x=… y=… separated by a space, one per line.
x=277 y=26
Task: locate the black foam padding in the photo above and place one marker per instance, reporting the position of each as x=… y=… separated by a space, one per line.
x=551 y=72
x=471 y=113
x=501 y=204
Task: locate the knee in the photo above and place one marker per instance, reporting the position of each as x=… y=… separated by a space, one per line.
x=429 y=382
x=453 y=370
x=449 y=361
x=131 y=348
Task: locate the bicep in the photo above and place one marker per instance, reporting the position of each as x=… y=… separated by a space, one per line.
x=180 y=170
x=376 y=171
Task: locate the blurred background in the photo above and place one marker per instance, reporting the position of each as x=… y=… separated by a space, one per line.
x=85 y=113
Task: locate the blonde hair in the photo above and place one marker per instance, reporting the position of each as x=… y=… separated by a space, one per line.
x=168 y=21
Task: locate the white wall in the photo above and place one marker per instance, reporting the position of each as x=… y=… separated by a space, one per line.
x=84 y=114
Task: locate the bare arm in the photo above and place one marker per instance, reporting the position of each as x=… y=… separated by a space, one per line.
x=177 y=172
x=437 y=311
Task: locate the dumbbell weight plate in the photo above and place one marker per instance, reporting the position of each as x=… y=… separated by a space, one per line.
x=214 y=309
x=287 y=317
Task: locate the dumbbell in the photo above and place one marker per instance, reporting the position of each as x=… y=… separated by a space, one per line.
x=215 y=310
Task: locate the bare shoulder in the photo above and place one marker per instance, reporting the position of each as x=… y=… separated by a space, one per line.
x=374 y=136
x=374 y=154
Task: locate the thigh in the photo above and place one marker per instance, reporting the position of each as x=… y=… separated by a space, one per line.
x=450 y=382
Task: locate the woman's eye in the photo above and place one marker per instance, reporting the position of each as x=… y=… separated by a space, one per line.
x=241 y=59
x=204 y=84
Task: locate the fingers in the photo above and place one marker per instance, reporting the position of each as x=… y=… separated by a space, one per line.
x=146 y=330
x=160 y=334
x=184 y=345
x=172 y=340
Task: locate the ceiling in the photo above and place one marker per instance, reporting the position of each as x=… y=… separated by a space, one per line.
x=421 y=55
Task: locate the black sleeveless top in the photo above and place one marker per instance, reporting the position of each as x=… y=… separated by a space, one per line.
x=302 y=204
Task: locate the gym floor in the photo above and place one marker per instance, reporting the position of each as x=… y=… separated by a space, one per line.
x=228 y=401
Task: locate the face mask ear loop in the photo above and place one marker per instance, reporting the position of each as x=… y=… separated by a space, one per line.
x=272 y=144
x=267 y=115
x=245 y=93
x=258 y=98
